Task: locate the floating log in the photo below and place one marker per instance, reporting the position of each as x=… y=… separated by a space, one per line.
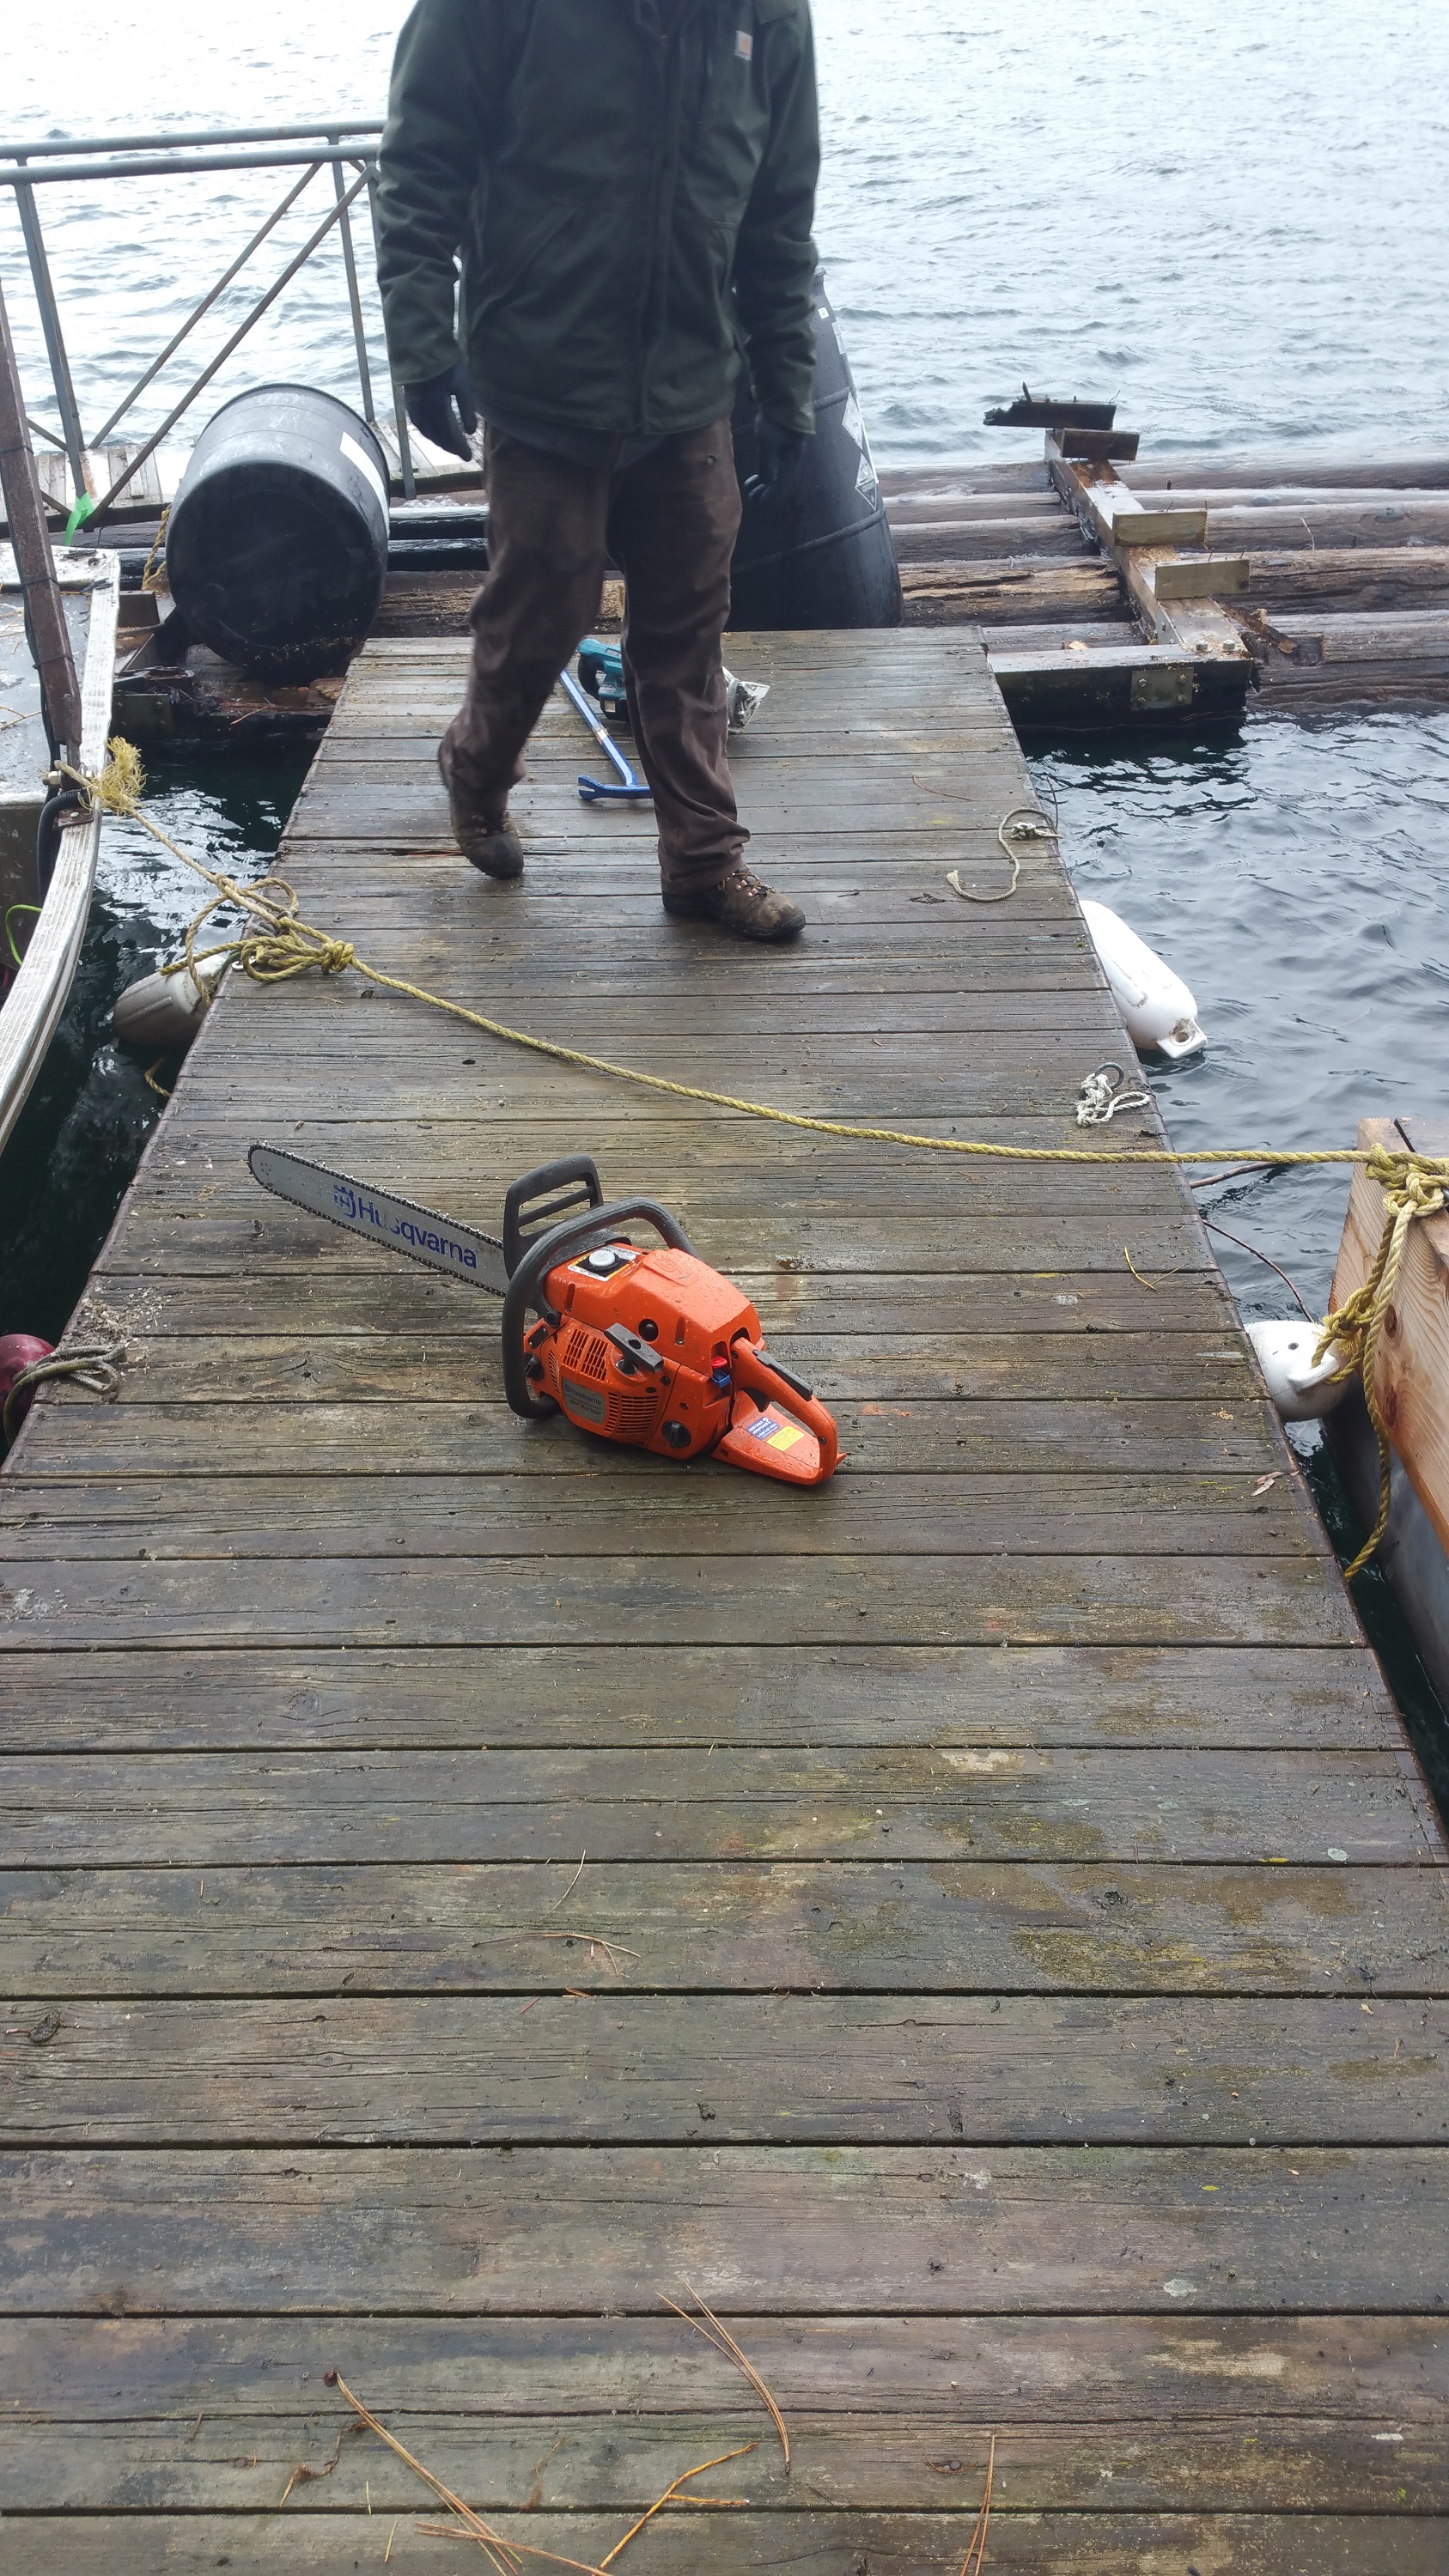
x=986 y=594
x=1045 y=534
x=1365 y=660
x=1352 y=579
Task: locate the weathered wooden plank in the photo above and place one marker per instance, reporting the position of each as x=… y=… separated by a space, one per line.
x=443 y=1363
x=904 y=1803
x=868 y=1926
x=998 y=2070
x=825 y=1601
x=1268 y=1697
x=810 y=2542
x=202 y=1164
x=499 y=1514
x=863 y=2232
x=70 y=1442
x=204 y=1229
x=364 y=1288
x=667 y=1014
x=241 y=2460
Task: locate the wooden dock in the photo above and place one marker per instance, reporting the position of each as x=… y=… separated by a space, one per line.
x=980 y=1926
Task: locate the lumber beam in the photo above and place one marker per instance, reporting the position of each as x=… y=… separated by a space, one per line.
x=1117 y=684
x=1153 y=573
x=1104 y=446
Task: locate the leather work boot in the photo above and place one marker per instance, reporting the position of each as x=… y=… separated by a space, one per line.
x=741 y=903
x=492 y=847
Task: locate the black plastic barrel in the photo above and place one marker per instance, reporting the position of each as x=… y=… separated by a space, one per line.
x=276 y=547
x=823 y=557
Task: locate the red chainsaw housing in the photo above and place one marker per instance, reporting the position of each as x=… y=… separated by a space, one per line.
x=658 y=1350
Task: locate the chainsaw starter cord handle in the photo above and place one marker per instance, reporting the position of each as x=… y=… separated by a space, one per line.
x=761 y=1376
x=563 y=1243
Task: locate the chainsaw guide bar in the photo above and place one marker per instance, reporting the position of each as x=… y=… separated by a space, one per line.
x=420 y=1234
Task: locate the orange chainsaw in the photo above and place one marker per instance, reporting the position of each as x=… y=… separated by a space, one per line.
x=649 y=1347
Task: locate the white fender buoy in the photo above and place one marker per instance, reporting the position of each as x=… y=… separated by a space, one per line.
x=164 y=1012
x=1301 y=1391
x=1156 y=1005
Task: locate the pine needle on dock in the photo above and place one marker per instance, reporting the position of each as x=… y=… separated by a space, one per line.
x=724 y=2342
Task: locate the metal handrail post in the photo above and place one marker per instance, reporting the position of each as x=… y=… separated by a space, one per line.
x=207 y=301
x=222 y=355
x=399 y=406
x=349 y=262
x=64 y=390
x=45 y=623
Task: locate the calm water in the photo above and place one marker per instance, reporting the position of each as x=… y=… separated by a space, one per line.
x=1234 y=220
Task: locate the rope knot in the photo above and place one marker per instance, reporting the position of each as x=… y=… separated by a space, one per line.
x=1413 y=1186
x=1416 y=1182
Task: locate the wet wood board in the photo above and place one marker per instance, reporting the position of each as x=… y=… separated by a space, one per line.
x=980 y=1926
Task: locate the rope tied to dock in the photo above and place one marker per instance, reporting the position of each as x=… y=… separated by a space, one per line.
x=1414 y=1185
x=284 y=946
x=97 y=1369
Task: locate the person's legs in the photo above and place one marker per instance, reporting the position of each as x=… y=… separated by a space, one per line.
x=545 y=568
x=673 y=520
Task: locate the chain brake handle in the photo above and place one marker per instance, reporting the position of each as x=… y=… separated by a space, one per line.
x=600 y=1223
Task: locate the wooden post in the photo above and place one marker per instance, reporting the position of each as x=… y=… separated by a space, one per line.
x=45 y=623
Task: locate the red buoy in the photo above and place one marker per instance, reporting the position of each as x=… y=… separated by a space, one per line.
x=19 y=1351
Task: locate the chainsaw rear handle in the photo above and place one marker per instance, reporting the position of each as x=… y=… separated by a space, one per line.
x=564 y=1243
x=760 y=1376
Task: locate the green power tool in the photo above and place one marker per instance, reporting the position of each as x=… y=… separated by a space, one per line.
x=601 y=672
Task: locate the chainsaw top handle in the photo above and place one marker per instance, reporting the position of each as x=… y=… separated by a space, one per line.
x=543 y=1253
x=524 y=1222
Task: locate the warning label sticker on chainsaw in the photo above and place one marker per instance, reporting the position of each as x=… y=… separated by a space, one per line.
x=777 y=1434
x=587 y=1403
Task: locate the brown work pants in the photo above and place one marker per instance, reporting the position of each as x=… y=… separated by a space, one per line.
x=670 y=523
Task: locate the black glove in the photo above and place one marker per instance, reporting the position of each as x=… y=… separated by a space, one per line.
x=437 y=408
x=780 y=455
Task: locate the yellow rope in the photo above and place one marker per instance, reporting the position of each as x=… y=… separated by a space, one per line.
x=149 y=578
x=1413 y=1186
x=284 y=947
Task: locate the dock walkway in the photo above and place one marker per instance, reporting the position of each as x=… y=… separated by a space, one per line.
x=979 y=1925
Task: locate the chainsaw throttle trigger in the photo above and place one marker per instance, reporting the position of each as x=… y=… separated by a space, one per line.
x=575 y=1180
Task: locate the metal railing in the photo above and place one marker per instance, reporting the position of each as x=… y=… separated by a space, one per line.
x=25 y=166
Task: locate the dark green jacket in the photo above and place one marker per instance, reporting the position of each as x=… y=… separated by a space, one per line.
x=628 y=206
